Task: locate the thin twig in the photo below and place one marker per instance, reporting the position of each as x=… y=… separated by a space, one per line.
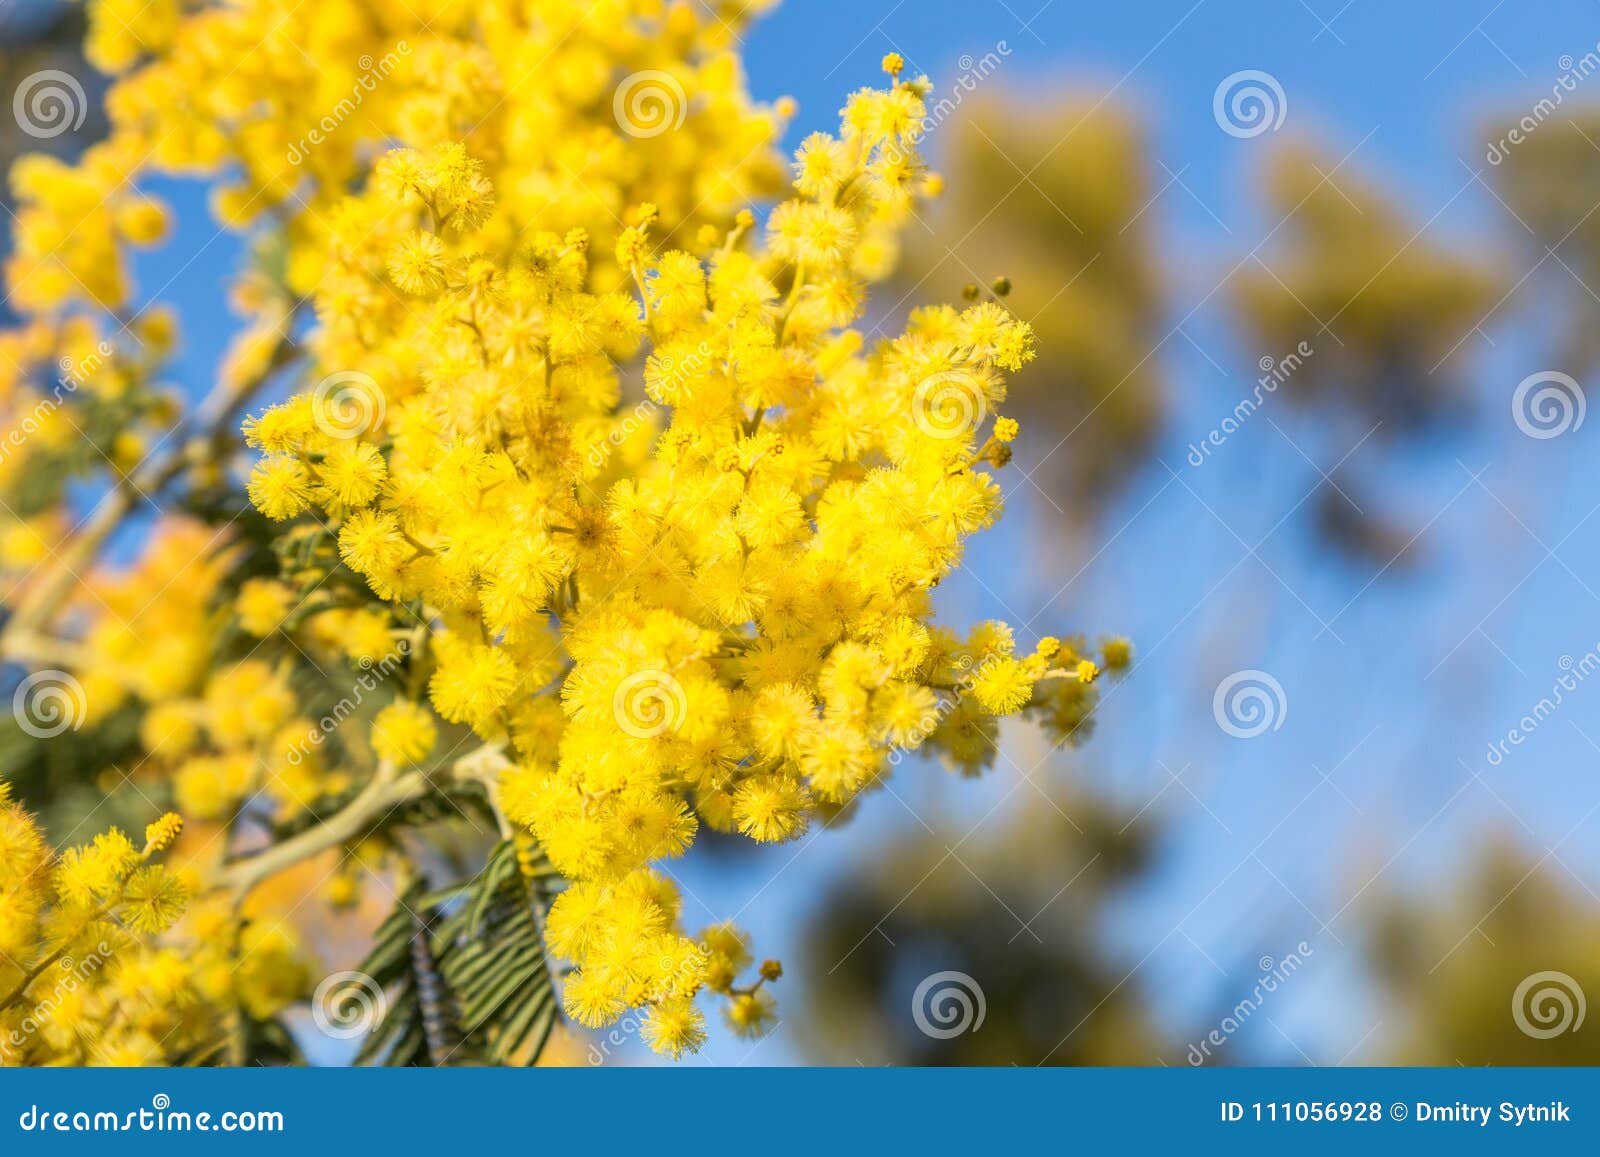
x=24 y=635
x=385 y=793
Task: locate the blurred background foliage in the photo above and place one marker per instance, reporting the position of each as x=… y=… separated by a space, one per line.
x=1386 y=314
x=1449 y=961
x=1383 y=306
x=1053 y=198
x=994 y=908
x=37 y=35
x=1548 y=182
x=1056 y=199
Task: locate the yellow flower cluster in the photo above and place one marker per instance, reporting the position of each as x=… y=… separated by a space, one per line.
x=107 y=957
x=237 y=740
x=290 y=100
x=735 y=610
x=73 y=933
x=150 y=626
x=578 y=109
x=66 y=392
x=657 y=519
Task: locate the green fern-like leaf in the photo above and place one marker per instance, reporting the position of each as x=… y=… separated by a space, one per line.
x=467 y=969
x=420 y=1025
x=500 y=969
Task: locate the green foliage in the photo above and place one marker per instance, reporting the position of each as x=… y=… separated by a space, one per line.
x=1053 y=199
x=57 y=777
x=1476 y=972
x=1053 y=993
x=469 y=977
x=1383 y=307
